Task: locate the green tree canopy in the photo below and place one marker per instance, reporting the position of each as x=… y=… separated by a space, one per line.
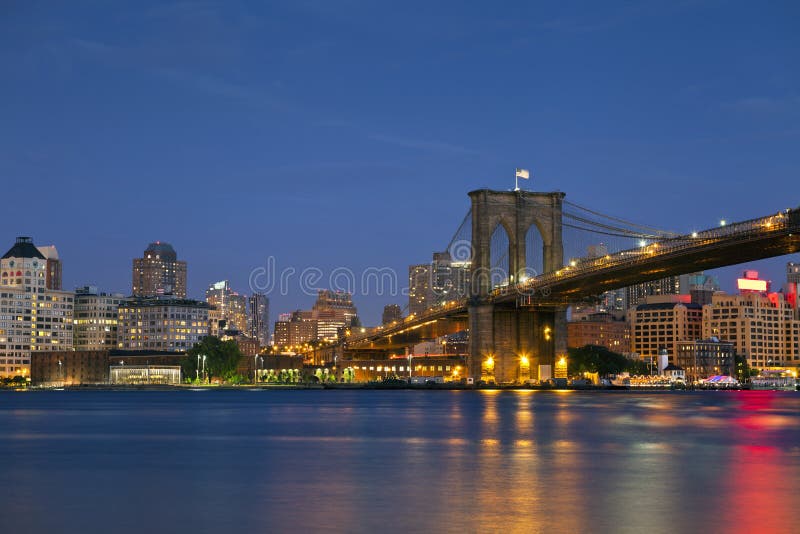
x=601 y=360
x=222 y=357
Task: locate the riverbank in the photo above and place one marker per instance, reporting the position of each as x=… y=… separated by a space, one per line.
x=346 y=387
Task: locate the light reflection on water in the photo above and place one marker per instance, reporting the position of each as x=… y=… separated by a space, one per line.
x=400 y=460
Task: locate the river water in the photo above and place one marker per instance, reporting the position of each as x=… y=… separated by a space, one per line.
x=456 y=461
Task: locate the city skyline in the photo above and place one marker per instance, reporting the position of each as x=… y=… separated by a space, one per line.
x=682 y=128
x=359 y=266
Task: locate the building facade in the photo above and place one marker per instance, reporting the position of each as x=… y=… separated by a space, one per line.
x=53 y=268
x=449 y=279
x=338 y=304
x=161 y=324
x=333 y=311
x=159 y=272
x=793 y=272
x=69 y=367
x=231 y=305
x=294 y=330
x=636 y=294
x=442 y=280
x=258 y=318
x=663 y=325
x=95 y=319
x=601 y=329
x=33 y=316
x=391 y=313
x=762 y=327
x=419 y=288
x=706 y=357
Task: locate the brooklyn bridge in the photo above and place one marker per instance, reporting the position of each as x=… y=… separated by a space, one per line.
x=528 y=261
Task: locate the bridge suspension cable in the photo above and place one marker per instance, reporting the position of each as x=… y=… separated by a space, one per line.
x=631 y=225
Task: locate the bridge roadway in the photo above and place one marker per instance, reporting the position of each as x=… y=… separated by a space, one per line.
x=773 y=235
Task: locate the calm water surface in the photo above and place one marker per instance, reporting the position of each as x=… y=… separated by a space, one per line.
x=474 y=461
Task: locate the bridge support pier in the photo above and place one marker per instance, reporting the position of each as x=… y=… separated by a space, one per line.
x=508 y=344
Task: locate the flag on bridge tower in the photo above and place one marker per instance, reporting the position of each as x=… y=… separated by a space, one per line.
x=521 y=173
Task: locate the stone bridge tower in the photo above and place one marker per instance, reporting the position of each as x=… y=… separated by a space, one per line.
x=504 y=338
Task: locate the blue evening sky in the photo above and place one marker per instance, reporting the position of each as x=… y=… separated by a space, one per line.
x=347 y=133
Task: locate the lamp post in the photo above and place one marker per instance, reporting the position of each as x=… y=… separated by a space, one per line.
x=409 y=367
x=204 y=368
x=255 y=368
x=60 y=375
x=197 y=372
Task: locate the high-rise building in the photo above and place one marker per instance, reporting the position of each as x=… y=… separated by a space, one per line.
x=231 y=305
x=671 y=285
x=340 y=303
x=333 y=311
x=792 y=285
x=216 y=324
x=258 y=315
x=702 y=287
x=793 y=272
x=662 y=323
x=391 y=313
x=161 y=323
x=636 y=294
x=34 y=316
x=159 y=272
x=442 y=280
x=762 y=327
x=95 y=319
x=419 y=288
x=449 y=279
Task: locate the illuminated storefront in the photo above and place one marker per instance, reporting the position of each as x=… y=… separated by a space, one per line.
x=145 y=374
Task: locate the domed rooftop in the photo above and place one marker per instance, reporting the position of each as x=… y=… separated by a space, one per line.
x=162 y=250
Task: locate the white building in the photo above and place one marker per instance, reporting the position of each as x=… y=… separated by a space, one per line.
x=35 y=315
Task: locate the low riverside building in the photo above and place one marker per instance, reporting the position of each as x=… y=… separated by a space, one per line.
x=67 y=367
x=447 y=368
x=91 y=367
x=145 y=375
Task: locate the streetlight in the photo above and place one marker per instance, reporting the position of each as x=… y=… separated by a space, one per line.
x=60 y=375
x=255 y=368
x=204 y=367
x=409 y=367
x=197 y=372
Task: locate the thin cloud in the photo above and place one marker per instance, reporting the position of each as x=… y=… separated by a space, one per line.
x=218 y=87
x=421 y=144
x=765 y=104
